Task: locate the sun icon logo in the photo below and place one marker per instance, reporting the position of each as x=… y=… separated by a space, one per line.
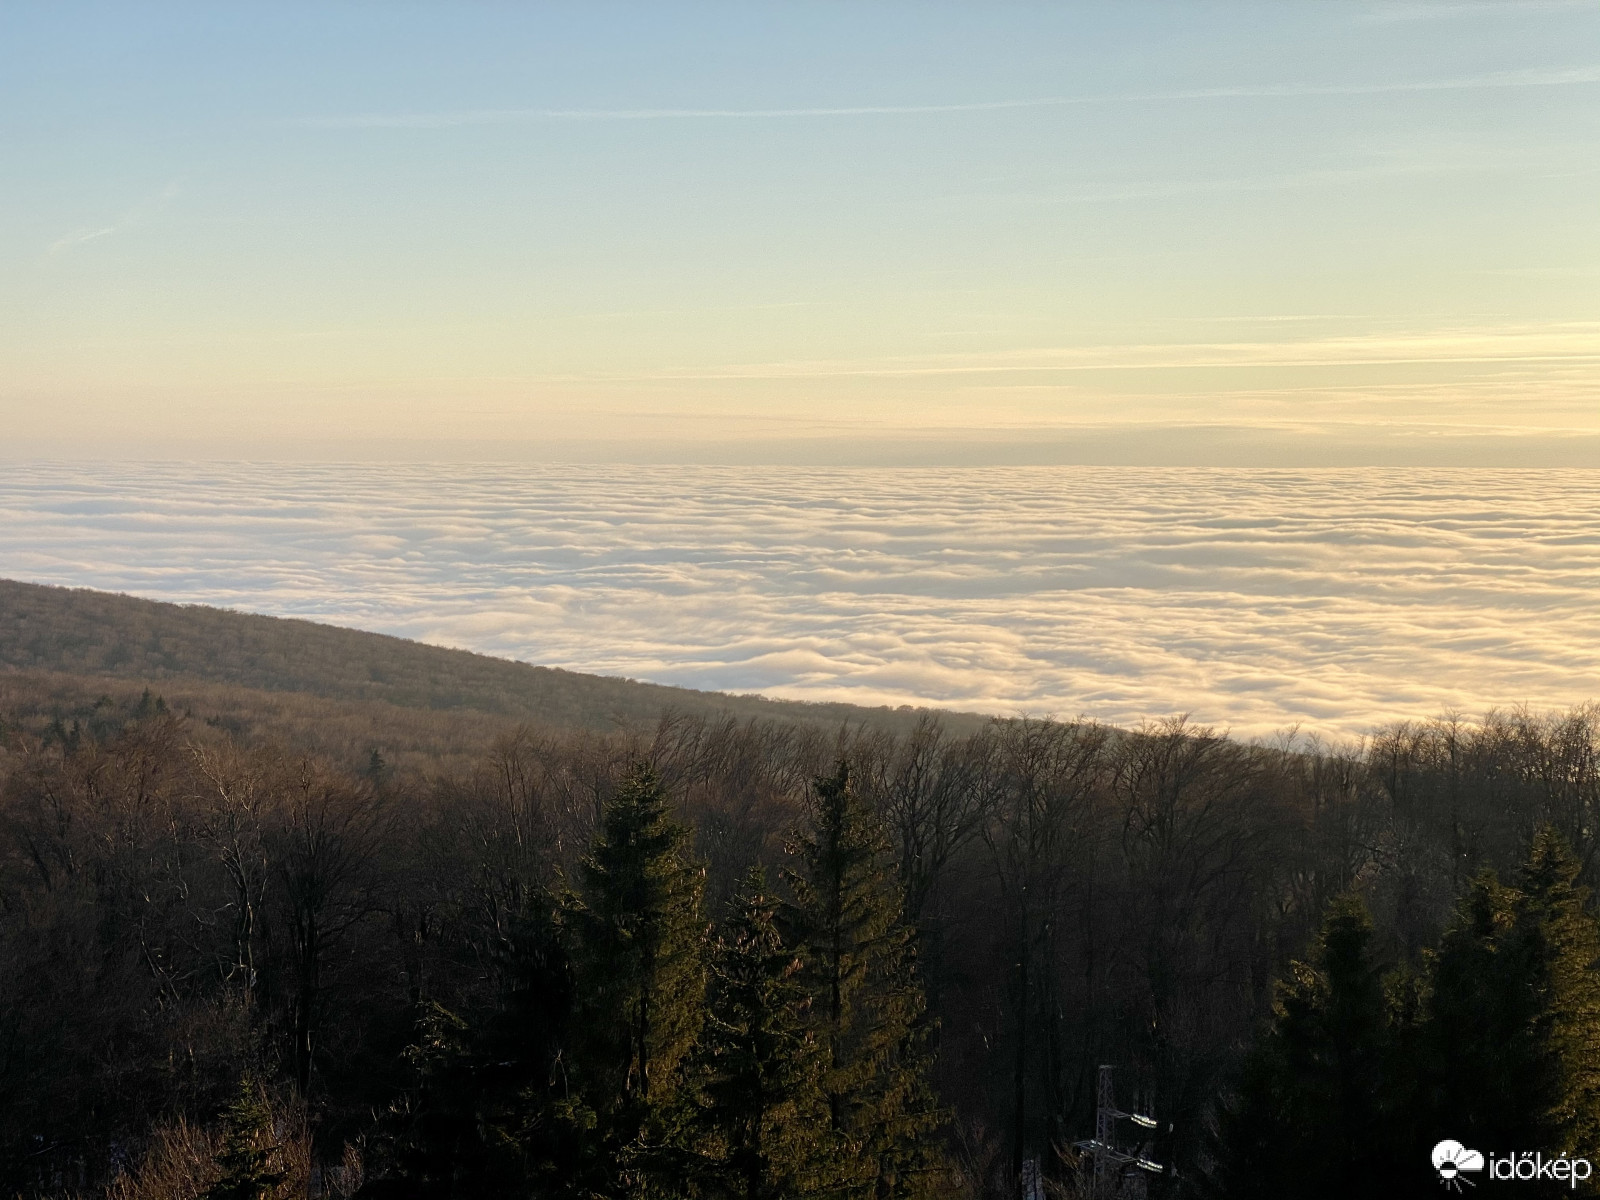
x=1451 y=1159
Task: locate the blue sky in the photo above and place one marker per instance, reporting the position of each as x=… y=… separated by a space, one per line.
x=1264 y=233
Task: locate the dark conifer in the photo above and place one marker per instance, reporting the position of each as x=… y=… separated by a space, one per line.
x=1515 y=1028
x=489 y=1110
x=1490 y=1076
x=1316 y=1109
x=251 y=1155
x=760 y=1062
x=641 y=989
x=433 y=1138
x=1554 y=905
x=523 y=1052
x=867 y=1003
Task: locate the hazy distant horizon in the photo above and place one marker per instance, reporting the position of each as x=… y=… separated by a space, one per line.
x=1150 y=445
x=1256 y=600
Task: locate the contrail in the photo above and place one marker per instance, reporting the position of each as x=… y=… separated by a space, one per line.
x=508 y=116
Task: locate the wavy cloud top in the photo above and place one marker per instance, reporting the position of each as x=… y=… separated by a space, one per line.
x=1332 y=599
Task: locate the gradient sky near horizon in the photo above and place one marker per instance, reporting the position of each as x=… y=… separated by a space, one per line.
x=1254 y=233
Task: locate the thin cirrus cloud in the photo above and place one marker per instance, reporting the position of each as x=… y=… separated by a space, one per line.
x=79 y=237
x=1563 y=77
x=1574 y=341
x=1334 y=599
x=1388 y=14
x=132 y=217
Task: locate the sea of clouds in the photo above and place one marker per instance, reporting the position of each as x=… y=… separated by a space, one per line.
x=1256 y=600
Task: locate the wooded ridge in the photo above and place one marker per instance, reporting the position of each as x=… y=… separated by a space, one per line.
x=85 y=632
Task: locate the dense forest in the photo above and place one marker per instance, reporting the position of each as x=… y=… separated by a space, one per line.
x=723 y=954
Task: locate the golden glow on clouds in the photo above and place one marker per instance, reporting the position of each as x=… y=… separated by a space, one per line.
x=1332 y=600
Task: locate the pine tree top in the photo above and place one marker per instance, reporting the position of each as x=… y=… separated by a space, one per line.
x=250 y=1151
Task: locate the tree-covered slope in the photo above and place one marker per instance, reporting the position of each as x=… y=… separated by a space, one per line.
x=84 y=632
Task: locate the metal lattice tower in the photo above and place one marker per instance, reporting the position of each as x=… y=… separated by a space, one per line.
x=1105 y=1130
x=1111 y=1164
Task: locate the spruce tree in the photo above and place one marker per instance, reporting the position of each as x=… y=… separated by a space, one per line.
x=1514 y=1028
x=1554 y=906
x=487 y=1112
x=1487 y=1067
x=1317 y=1108
x=530 y=1124
x=250 y=1158
x=640 y=977
x=868 y=1006
x=433 y=1138
x=760 y=1064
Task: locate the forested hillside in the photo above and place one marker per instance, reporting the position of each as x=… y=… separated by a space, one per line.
x=353 y=947
x=85 y=632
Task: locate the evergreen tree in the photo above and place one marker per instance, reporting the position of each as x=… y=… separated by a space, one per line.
x=1353 y=1083
x=523 y=1053
x=1316 y=1112
x=1569 y=939
x=250 y=1158
x=1515 y=1015
x=867 y=1003
x=641 y=990
x=1489 y=1075
x=488 y=1112
x=761 y=1068
x=433 y=1139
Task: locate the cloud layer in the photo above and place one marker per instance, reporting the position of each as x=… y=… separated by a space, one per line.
x=1336 y=599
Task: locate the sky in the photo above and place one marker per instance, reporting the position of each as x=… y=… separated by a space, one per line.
x=1216 y=234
